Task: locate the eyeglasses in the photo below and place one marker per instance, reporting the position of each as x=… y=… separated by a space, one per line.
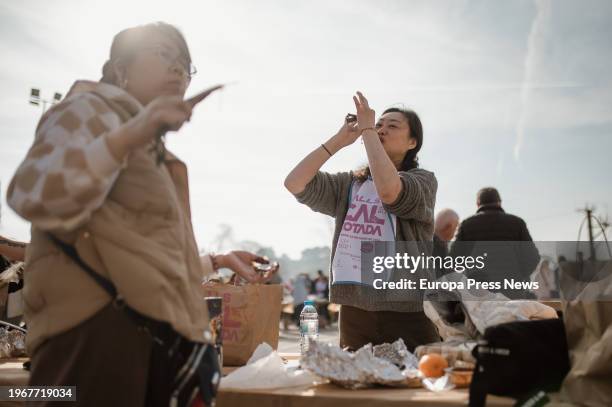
x=171 y=57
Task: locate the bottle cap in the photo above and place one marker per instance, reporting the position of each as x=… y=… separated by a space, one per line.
x=309 y=302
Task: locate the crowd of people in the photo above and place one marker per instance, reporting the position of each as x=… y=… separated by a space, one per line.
x=303 y=287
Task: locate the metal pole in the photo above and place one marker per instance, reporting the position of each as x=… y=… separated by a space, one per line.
x=589 y=213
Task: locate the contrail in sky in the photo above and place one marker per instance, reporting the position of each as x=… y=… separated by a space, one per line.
x=535 y=42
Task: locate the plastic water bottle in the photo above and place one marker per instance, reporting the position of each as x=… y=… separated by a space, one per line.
x=309 y=325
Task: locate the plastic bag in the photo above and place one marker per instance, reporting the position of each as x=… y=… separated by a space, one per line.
x=266 y=370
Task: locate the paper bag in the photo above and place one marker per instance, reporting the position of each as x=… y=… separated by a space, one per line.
x=251 y=315
x=588 y=327
x=586 y=287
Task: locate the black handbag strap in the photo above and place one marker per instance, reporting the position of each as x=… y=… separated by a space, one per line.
x=160 y=332
x=71 y=252
x=203 y=372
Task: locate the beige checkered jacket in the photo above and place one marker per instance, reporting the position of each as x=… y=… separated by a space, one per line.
x=69 y=169
x=129 y=220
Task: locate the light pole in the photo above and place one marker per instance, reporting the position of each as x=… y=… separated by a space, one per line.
x=36 y=100
x=603 y=225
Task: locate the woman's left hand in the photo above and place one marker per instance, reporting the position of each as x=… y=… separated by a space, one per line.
x=366 y=116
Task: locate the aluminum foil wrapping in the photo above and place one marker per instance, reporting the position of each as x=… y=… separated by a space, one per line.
x=366 y=367
x=12 y=343
x=397 y=353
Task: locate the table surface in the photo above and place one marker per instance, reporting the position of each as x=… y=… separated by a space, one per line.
x=329 y=395
x=13 y=374
x=325 y=395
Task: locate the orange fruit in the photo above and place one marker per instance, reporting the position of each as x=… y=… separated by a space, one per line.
x=433 y=365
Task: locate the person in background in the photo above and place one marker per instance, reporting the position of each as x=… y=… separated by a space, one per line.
x=389 y=200
x=445 y=227
x=321 y=285
x=491 y=223
x=301 y=289
x=94 y=182
x=309 y=283
x=320 y=288
x=547 y=277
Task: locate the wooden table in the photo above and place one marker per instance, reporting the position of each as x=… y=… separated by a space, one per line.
x=329 y=395
x=13 y=374
x=326 y=395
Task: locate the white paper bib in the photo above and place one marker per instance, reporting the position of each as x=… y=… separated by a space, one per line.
x=366 y=220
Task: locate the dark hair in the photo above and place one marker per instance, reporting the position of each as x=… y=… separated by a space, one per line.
x=488 y=196
x=128 y=41
x=410 y=160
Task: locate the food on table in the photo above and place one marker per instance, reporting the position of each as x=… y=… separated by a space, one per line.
x=461 y=378
x=457 y=352
x=12 y=343
x=433 y=365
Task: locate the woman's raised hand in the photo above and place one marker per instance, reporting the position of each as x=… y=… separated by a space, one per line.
x=350 y=131
x=366 y=116
x=347 y=134
x=162 y=114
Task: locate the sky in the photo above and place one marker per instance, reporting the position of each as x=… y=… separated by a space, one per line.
x=516 y=95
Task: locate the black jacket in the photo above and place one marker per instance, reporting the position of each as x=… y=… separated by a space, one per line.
x=491 y=223
x=513 y=259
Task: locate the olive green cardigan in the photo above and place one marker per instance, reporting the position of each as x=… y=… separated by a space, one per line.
x=329 y=194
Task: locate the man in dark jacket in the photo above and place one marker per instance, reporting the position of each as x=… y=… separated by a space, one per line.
x=516 y=258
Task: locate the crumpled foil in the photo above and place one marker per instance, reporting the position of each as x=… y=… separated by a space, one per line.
x=368 y=366
x=397 y=353
x=12 y=343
